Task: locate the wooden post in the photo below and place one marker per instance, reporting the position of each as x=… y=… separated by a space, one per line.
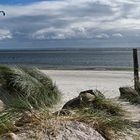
x=136 y=69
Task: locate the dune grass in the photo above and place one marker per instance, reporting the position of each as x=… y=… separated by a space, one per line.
x=33 y=90
x=103 y=115
x=29 y=86
x=107 y=106
x=25 y=89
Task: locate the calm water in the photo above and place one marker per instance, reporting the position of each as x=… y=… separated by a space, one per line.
x=70 y=58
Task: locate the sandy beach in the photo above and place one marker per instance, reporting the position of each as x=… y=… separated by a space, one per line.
x=71 y=82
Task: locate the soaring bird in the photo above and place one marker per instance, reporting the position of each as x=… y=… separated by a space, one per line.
x=3 y=13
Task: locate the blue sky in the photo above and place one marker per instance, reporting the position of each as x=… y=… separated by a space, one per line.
x=18 y=1
x=57 y=23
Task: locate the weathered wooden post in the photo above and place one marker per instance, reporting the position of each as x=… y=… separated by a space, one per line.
x=136 y=69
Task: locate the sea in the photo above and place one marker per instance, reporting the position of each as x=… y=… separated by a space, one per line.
x=72 y=58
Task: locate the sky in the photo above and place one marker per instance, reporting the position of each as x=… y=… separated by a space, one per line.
x=69 y=23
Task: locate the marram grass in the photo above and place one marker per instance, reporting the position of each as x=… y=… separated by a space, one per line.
x=32 y=89
x=29 y=86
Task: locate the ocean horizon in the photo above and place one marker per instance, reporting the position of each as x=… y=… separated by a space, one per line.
x=70 y=58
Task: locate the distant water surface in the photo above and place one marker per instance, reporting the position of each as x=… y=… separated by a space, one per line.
x=70 y=58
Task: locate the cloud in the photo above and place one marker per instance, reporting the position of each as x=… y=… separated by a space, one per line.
x=60 y=33
x=117 y=35
x=5 y=34
x=102 y=35
x=71 y=19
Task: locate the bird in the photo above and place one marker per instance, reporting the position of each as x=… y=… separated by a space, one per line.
x=3 y=13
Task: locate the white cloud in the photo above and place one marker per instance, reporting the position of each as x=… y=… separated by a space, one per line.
x=102 y=35
x=60 y=33
x=5 y=34
x=72 y=18
x=117 y=35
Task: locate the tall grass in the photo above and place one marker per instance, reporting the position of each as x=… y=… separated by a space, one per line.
x=46 y=81
x=29 y=86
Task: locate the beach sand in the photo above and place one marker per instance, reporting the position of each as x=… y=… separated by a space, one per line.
x=72 y=82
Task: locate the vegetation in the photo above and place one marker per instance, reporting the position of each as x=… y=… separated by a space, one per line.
x=107 y=125
x=29 y=87
x=24 y=89
x=33 y=92
x=107 y=106
x=103 y=115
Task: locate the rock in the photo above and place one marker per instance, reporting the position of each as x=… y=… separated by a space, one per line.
x=73 y=130
x=74 y=103
x=87 y=91
x=64 y=130
x=130 y=94
x=96 y=93
x=86 y=97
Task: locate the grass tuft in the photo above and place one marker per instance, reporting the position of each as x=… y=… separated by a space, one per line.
x=107 y=106
x=29 y=87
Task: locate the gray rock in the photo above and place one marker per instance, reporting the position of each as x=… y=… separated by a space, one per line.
x=74 y=103
x=85 y=98
x=76 y=131
x=64 y=130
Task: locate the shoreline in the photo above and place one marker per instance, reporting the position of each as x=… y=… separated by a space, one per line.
x=88 y=69
x=78 y=68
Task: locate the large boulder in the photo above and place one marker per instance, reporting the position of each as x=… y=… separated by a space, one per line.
x=62 y=130
x=73 y=130
x=86 y=97
x=73 y=103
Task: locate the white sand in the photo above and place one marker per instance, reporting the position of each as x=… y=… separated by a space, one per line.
x=72 y=82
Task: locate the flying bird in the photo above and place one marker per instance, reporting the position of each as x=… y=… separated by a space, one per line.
x=3 y=13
